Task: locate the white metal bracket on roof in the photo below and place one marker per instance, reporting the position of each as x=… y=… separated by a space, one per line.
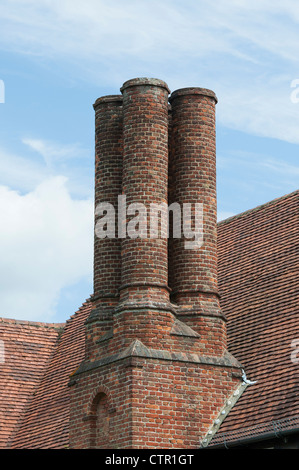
x=230 y=403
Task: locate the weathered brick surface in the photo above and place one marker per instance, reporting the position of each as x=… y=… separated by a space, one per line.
x=108 y=186
x=156 y=370
x=147 y=403
x=192 y=179
x=251 y=310
x=145 y=171
x=193 y=154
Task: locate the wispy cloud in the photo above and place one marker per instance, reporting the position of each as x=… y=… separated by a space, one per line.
x=255 y=177
x=237 y=48
x=90 y=26
x=25 y=172
x=263 y=108
x=54 y=153
x=19 y=172
x=96 y=28
x=281 y=167
x=258 y=162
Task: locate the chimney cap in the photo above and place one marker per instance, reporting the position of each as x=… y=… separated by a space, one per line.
x=193 y=91
x=145 y=81
x=107 y=99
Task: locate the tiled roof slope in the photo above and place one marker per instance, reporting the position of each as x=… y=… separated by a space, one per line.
x=258 y=280
x=259 y=284
x=46 y=421
x=25 y=351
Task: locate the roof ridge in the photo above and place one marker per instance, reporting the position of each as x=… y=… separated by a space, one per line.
x=247 y=432
x=31 y=323
x=257 y=208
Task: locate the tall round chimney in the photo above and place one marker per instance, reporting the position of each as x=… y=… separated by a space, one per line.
x=145 y=176
x=193 y=262
x=108 y=184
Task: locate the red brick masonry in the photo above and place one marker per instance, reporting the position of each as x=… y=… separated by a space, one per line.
x=258 y=278
x=156 y=371
x=147 y=365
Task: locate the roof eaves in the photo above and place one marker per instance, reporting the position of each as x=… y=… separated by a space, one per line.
x=32 y=323
x=259 y=432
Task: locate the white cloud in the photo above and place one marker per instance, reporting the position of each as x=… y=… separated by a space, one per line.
x=48 y=159
x=44 y=159
x=70 y=160
x=20 y=172
x=45 y=245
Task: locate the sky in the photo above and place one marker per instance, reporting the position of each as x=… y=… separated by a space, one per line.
x=58 y=56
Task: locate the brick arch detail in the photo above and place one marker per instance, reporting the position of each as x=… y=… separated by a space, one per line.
x=99 y=431
x=91 y=406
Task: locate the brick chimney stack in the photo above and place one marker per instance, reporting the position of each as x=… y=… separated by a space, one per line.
x=144 y=290
x=193 y=272
x=157 y=372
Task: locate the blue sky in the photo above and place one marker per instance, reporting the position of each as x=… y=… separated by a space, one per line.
x=58 y=57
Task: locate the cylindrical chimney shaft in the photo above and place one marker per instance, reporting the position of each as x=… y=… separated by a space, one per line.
x=108 y=186
x=145 y=176
x=193 y=270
